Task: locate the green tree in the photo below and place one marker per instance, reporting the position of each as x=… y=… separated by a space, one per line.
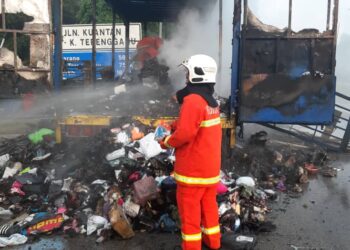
x=80 y=11
x=70 y=10
x=103 y=12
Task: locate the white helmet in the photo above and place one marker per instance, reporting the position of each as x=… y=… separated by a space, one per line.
x=201 y=69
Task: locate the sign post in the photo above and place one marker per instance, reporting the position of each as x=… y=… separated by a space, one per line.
x=77 y=46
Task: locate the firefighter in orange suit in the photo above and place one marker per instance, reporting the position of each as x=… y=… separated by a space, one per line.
x=197 y=142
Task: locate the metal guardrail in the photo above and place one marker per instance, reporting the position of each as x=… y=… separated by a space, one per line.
x=334 y=137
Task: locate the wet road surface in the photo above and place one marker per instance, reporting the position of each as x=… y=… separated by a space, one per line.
x=319 y=219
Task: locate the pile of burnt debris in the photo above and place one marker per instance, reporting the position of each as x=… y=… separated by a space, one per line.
x=120 y=181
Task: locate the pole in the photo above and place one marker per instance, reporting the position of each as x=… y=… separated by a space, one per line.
x=3 y=14
x=245 y=14
x=51 y=37
x=220 y=41
x=328 y=14
x=290 y=16
x=113 y=42
x=335 y=15
x=93 y=68
x=57 y=30
x=127 y=38
x=15 y=51
x=161 y=29
x=236 y=47
x=335 y=33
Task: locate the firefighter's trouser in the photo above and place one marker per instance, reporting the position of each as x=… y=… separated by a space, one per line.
x=198 y=212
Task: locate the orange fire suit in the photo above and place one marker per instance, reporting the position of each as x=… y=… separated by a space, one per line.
x=197 y=143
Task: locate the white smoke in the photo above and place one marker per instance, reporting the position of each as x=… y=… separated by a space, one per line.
x=198 y=33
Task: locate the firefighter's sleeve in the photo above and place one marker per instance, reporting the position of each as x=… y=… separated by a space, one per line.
x=187 y=125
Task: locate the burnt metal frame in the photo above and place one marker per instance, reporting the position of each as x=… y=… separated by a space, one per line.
x=335 y=143
x=14 y=32
x=237 y=66
x=290 y=36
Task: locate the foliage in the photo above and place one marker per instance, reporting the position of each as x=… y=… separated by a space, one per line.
x=103 y=12
x=70 y=10
x=79 y=11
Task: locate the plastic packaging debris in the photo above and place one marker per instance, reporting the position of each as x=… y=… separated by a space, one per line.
x=3 y=159
x=120 y=223
x=13 y=240
x=16 y=188
x=259 y=138
x=303 y=179
x=43 y=157
x=40 y=135
x=281 y=186
x=9 y=172
x=28 y=170
x=245 y=181
x=99 y=182
x=237 y=224
x=311 y=168
x=271 y=193
x=160 y=179
x=145 y=190
x=29 y=179
x=238 y=242
x=278 y=157
x=131 y=209
x=224 y=207
x=74 y=180
x=168 y=183
x=160 y=133
x=115 y=154
x=221 y=188
x=260 y=194
x=297 y=189
x=242 y=238
x=117 y=174
x=123 y=138
x=47 y=224
x=114 y=193
x=115 y=130
x=66 y=184
x=120 y=89
x=72 y=228
x=95 y=222
x=226 y=180
x=5 y=214
x=167 y=224
x=149 y=147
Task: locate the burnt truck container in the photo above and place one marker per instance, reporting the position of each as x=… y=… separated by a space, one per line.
x=282 y=76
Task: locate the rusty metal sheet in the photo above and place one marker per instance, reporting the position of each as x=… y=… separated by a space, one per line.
x=280 y=98
x=287 y=78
